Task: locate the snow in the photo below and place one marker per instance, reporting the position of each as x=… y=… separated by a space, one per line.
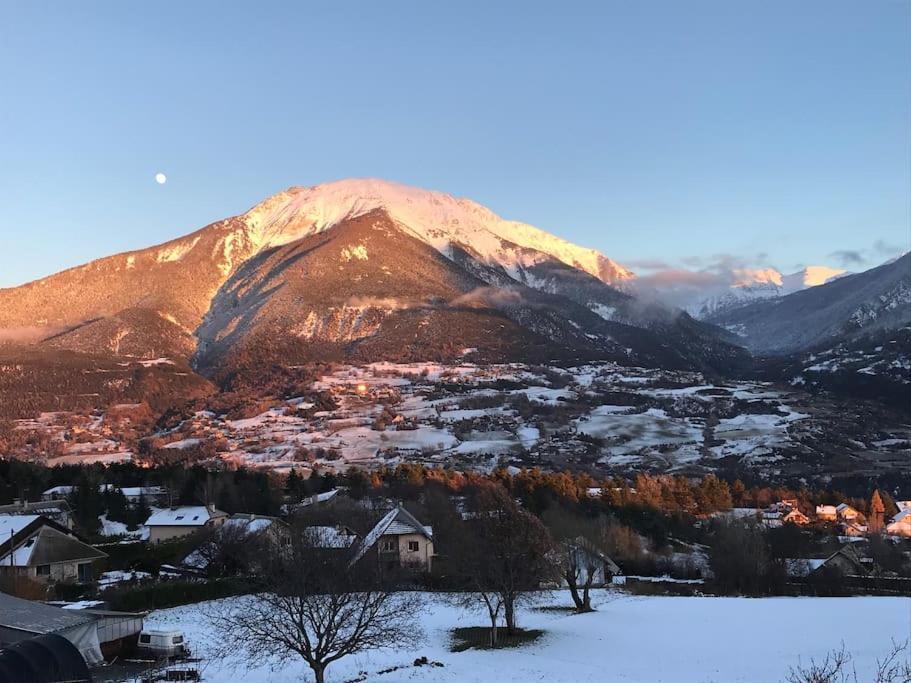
x=182 y=444
x=438 y=219
x=196 y=515
x=121 y=576
x=635 y=639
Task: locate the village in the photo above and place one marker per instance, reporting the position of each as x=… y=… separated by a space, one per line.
x=103 y=589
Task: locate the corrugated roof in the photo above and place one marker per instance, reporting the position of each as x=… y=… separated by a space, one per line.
x=36 y=617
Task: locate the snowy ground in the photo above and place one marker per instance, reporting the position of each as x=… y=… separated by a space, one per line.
x=630 y=639
x=601 y=417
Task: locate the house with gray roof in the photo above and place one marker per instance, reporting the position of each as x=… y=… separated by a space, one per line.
x=39 y=549
x=400 y=542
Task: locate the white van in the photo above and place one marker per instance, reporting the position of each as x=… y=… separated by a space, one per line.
x=163 y=643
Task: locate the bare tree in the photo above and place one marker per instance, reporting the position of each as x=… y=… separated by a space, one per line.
x=506 y=553
x=577 y=554
x=836 y=667
x=314 y=607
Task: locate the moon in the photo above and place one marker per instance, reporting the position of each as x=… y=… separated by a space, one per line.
x=161 y=178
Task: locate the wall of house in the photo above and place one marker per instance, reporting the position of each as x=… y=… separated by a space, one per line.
x=61 y=572
x=422 y=557
x=158 y=534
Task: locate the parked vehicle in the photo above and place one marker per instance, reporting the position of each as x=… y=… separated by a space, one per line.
x=163 y=643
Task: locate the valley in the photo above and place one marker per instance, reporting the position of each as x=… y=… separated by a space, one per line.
x=601 y=418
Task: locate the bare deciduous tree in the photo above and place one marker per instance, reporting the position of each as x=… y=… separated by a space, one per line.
x=836 y=667
x=314 y=607
x=506 y=553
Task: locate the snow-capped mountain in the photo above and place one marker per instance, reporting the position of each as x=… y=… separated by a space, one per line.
x=842 y=308
x=751 y=285
x=439 y=219
x=360 y=269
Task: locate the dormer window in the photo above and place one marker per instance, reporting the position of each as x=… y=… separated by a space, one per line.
x=179 y=517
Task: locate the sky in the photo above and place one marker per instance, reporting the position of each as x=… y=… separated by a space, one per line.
x=667 y=135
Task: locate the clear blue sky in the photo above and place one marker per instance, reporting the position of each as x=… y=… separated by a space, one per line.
x=649 y=130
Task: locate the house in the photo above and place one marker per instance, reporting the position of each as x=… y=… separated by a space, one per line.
x=57 y=493
x=330 y=537
x=39 y=549
x=58 y=511
x=171 y=523
x=782 y=513
x=586 y=556
x=847 y=514
x=241 y=530
x=900 y=524
x=152 y=495
x=826 y=513
x=401 y=541
x=845 y=561
x=133 y=494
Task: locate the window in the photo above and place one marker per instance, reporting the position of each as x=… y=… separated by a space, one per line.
x=85 y=572
x=413 y=546
x=145 y=638
x=177 y=640
x=43 y=570
x=388 y=546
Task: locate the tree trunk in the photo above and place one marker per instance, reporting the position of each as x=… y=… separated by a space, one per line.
x=586 y=598
x=574 y=591
x=319 y=672
x=493 y=632
x=509 y=611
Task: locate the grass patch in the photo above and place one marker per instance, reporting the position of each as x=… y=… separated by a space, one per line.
x=478 y=637
x=556 y=609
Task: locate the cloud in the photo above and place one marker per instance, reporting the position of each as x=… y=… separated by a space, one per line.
x=649 y=264
x=883 y=248
x=848 y=257
x=684 y=287
x=487 y=297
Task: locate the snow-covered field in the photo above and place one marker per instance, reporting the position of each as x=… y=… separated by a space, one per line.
x=630 y=639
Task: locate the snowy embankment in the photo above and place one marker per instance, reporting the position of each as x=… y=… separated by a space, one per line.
x=632 y=639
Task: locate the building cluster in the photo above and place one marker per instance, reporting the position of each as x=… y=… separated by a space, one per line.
x=849 y=521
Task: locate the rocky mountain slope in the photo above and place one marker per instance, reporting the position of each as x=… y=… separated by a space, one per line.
x=360 y=269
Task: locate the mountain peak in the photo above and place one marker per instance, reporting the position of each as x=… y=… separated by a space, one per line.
x=439 y=219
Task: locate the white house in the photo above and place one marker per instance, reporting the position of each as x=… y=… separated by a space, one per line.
x=826 y=513
x=401 y=542
x=169 y=523
x=900 y=524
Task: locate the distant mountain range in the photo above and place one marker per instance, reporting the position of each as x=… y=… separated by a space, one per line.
x=844 y=308
x=753 y=285
x=358 y=270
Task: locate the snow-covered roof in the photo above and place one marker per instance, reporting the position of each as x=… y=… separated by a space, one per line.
x=250 y=523
x=13 y=524
x=903 y=516
x=59 y=490
x=330 y=537
x=196 y=515
x=395 y=523
x=320 y=497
